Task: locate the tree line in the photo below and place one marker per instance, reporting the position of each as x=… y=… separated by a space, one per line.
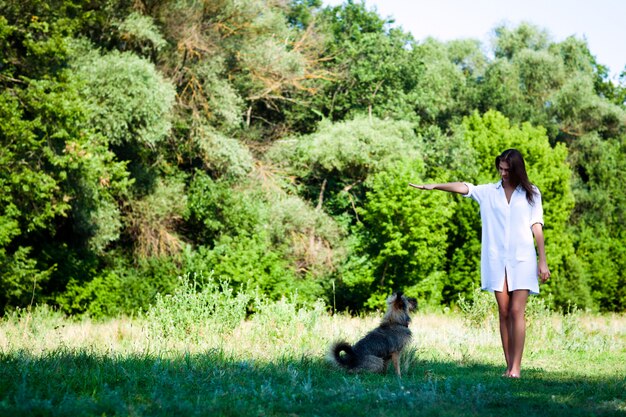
x=269 y=143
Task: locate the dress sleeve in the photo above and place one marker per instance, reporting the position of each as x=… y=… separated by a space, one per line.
x=536 y=209
x=473 y=192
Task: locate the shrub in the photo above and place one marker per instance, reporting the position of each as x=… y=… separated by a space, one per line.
x=198 y=303
x=121 y=289
x=129 y=99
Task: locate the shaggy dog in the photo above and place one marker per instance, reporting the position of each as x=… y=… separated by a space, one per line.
x=373 y=352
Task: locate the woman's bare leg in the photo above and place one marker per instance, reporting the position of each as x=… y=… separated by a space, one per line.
x=511 y=311
x=517 y=332
x=503 y=298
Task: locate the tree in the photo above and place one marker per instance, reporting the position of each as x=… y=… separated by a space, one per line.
x=333 y=164
x=258 y=56
x=402 y=239
x=507 y=43
x=599 y=215
x=445 y=89
x=373 y=66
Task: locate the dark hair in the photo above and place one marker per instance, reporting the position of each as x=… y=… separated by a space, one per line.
x=517 y=172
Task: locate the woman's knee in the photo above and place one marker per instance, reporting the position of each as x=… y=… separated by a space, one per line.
x=504 y=311
x=517 y=311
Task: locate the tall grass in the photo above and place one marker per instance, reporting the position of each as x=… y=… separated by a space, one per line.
x=206 y=350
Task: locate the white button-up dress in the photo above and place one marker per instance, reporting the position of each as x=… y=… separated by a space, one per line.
x=507 y=239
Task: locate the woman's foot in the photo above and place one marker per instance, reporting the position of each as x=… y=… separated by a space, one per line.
x=513 y=373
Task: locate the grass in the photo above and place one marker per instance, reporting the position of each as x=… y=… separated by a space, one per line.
x=274 y=364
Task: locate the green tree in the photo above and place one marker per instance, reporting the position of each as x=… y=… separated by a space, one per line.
x=599 y=215
x=372 y=67
x=129 y=100
x=244 y=57
x=579 y=110
x=253 y=233
x=446 y=83
x=60 y=180
x=333 y=164
x=526 y=36
x=402 y=239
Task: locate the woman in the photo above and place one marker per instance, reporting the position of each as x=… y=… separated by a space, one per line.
x=511 y=215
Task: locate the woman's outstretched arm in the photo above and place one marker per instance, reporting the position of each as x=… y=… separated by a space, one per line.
x=451 y=187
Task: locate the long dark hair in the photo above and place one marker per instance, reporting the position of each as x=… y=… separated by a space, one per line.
x=517 y=172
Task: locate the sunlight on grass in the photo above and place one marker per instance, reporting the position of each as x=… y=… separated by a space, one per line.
x=274 y=363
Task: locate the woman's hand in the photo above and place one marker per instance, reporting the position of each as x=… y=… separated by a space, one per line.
x=423 y=186
x=544 y=271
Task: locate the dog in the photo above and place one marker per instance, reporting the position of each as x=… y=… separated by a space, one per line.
x=373 y=352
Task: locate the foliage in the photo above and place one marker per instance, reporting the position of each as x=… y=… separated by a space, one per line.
x=139 y=32
x=402 y=235
x=59 y=180
x=274 y=241
x=151 y=221
x=599 y=215
x=335 y=162
x=580 y=110
x=444 y=89
x=509 y=42
x=550 y=84
x=129 y=100
x=123 y=288
x=380 y=77
x=215 y=208
x=198 y=303
x=272 y=141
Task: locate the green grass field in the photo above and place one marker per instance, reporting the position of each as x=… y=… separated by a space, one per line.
x=274 y=363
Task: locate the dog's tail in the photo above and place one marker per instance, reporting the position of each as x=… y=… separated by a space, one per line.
x=344 y=355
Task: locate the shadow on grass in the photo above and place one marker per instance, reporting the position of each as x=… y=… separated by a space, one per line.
x=81 y=383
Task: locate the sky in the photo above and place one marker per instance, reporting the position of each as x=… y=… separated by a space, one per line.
x=602 y=23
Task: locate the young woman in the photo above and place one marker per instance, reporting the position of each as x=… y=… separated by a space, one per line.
x=511 y=215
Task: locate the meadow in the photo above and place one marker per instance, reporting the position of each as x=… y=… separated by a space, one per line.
x=202 y=354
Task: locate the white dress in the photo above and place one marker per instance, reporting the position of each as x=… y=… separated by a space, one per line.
x=507 y=239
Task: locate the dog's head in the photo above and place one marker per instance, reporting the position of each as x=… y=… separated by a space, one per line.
x=398 y=308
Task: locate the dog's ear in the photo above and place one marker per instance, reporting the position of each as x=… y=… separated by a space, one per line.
x=398 y=302
x=393 y=298
x=412 y=303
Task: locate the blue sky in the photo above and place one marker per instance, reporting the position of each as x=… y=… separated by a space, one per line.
x=601 y=22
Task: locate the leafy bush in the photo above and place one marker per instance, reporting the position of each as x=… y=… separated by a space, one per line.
x=130 y=101
x=283 y=321
x=152 y=219
x=402 y=236
x=351 y=149
x=198 y=304
x=140 y=32
x=479 y=310
x=216 y=208
x=249 y=261
x=222 y=155
x=262 y=237
x=118 y=290
x=22 y=279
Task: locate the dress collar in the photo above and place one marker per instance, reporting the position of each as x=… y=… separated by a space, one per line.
x=499 y=185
